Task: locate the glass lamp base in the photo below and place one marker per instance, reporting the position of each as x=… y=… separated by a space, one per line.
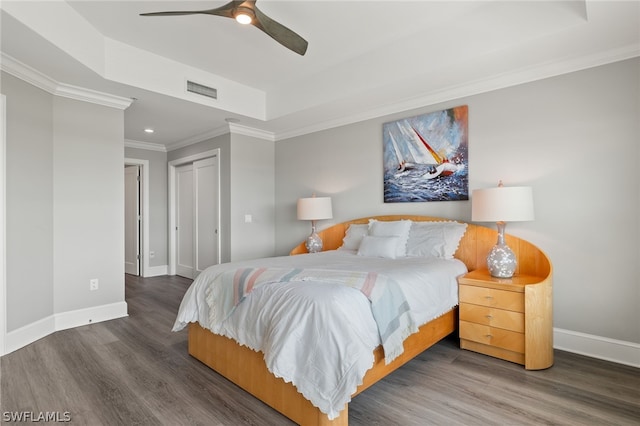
x=501 y=261
x=313 y=243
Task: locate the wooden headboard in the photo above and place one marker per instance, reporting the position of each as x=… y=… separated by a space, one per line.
x=473 y=250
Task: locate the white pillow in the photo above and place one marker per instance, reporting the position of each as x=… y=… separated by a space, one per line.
x=353 y=236
x=379 y=246
x=398 y=228
x=435 y=239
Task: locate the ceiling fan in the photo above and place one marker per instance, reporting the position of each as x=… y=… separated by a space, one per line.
x=246 y=12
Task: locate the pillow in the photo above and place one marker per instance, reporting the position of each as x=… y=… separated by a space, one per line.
x=435 y=239
x=398 y=228
x=353 y=236
x=379 y=246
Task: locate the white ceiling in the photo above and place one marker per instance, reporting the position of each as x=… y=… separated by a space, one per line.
x=365 y=58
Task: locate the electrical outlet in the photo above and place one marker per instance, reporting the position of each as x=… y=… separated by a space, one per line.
x=93 y=284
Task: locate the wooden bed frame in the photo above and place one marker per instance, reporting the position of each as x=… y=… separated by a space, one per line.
x=247 y=369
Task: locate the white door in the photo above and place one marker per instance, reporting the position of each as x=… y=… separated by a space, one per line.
x=206 y=213
x=132 y=220
x=184 y=221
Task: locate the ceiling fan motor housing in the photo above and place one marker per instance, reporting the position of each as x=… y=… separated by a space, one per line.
x=244 y=15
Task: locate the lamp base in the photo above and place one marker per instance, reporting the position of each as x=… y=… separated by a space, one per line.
x=501 y=260
x=313 y=243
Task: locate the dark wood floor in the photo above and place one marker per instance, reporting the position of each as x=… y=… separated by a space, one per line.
x=135 y=371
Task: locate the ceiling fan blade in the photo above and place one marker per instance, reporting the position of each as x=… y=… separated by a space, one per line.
x=225 y=10
x=275 y=30
x=177 y=12
x=279 y=32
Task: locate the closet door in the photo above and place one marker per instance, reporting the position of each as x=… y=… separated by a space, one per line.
x=184 y=221
x=205 y=173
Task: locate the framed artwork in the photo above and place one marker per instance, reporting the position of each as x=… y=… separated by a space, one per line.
x=426 y=157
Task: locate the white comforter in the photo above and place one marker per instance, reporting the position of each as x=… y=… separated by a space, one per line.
x=320 y=336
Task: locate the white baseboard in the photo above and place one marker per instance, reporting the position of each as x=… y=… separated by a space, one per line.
x=21 y=337
x=30 y=333
x=619 y=351
x=92 y=315
x=155 y=271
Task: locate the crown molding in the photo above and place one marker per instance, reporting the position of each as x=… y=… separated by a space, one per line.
x=230 y=128
x=238 y=129
x=508 y=79
x=25 y=73
x=93 y=96
x=36 y=78
x=219 y=131
x=149 y=146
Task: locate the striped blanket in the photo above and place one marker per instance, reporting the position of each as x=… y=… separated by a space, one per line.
x=389 y=306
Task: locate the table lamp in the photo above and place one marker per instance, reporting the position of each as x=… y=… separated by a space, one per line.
x=502 y=205
x=314 y=208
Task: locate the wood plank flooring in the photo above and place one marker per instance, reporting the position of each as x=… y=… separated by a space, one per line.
x=135 y=371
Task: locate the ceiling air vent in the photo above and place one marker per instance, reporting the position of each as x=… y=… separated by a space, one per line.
x=199 y=89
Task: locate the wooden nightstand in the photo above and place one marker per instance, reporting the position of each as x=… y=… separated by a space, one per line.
x=508 y=318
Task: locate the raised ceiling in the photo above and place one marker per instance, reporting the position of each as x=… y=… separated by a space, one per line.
x=365 y=58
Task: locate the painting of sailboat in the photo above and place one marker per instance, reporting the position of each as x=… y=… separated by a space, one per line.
x=426 y=157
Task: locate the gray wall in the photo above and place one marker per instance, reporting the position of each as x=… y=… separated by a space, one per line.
x=29 y=202
x=88 y=198
x=158 y=224
x=573 y=138
x=252 y=193
x=65 y=203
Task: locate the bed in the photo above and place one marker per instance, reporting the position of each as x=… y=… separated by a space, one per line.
x=269 y=377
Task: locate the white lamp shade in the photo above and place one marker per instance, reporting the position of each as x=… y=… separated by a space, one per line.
x=502 y=204
x=315 y=208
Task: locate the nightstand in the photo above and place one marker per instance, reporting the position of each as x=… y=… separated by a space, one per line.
x=508 y=318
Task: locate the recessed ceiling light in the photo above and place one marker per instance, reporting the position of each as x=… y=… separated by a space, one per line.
x=148 y=130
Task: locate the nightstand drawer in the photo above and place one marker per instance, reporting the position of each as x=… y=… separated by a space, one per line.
x=510 y=300
x=492 y=336
x=493 y=317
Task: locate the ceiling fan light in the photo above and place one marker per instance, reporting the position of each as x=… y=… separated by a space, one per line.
x=244 y=15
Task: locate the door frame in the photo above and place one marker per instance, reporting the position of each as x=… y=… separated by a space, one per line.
x=172 y=202
x=144 y=195
x=3 y=225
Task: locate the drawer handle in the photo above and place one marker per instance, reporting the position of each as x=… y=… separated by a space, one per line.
x=488 y=297
x=488 y=316
x=488 y=336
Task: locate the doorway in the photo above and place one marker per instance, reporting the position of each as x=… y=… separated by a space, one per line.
x=143 y=201
x=184 y=221
x=194 y=213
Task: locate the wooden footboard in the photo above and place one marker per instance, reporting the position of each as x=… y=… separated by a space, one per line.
x=246 y=368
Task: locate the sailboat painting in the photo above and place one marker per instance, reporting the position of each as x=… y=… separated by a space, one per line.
x=426 y=157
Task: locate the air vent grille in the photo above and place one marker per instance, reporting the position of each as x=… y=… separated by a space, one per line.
x=200 y=89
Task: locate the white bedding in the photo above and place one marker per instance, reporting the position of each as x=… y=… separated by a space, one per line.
x=300 y=326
